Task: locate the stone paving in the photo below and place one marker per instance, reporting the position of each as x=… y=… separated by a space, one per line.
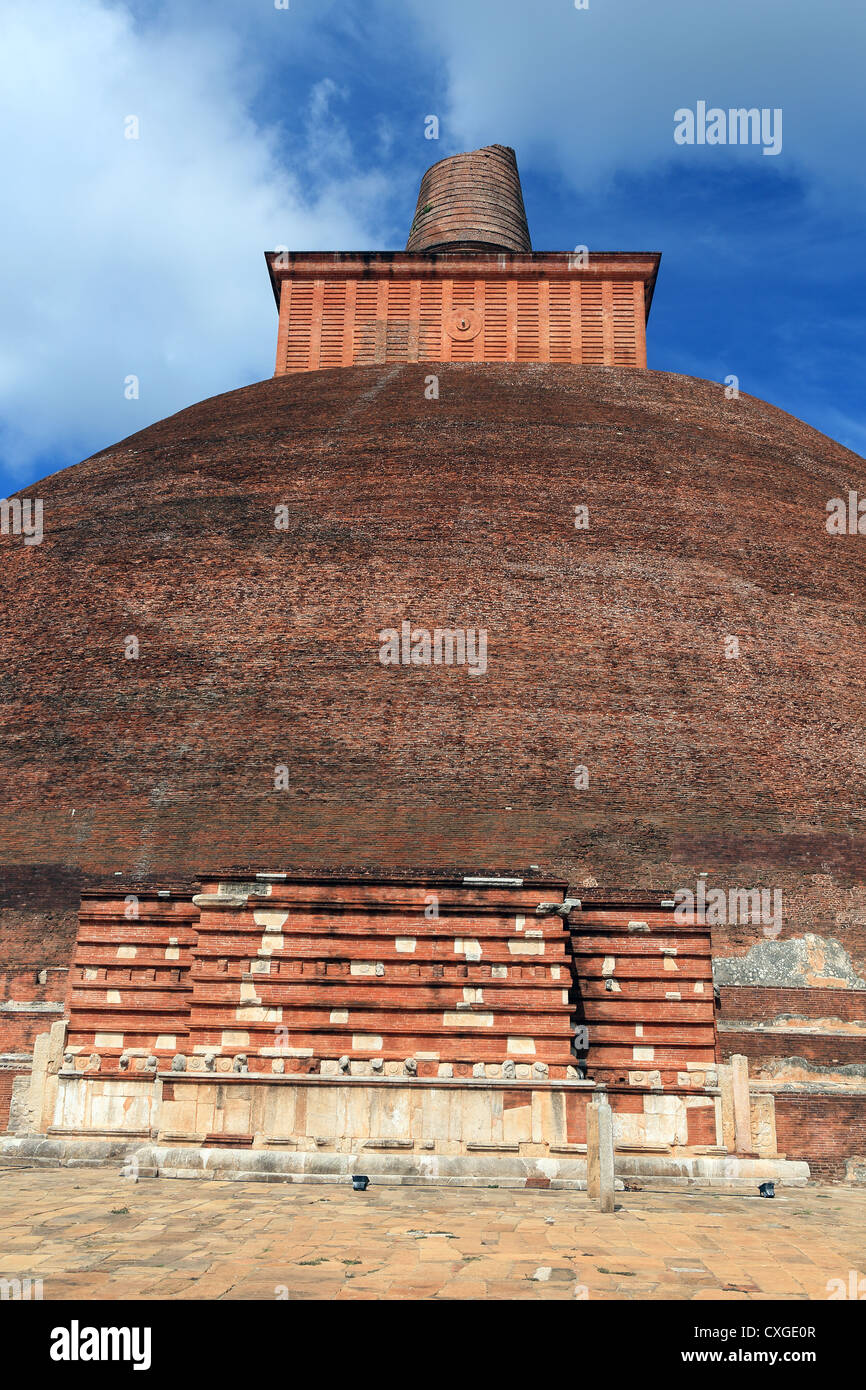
x=96 y=1235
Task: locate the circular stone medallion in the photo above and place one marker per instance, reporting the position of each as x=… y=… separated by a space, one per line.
x=463 y=323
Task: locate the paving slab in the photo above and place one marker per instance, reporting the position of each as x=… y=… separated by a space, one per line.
x=90 y=1235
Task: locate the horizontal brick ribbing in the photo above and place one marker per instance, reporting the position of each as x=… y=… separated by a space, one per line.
x=471 y=197
x=635 y=976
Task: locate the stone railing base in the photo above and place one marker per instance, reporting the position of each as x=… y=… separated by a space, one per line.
x=634 y=1172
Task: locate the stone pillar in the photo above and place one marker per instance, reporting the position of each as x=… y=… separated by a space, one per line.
x=56 y=1044
x=742 y=1116
x=36 y=1112
x=54 y=1061
x=599 y=1153
x=38 y=1070
x=592 y=1179
x=725 y=1135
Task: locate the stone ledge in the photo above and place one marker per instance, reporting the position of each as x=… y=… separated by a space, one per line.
x=493 y=1148
x=31 y=1006
x=807 y=1088
x=229 y=1141
x=64 y=1132
x=389 y=1144
x=483 y=1169
x=262 y=1078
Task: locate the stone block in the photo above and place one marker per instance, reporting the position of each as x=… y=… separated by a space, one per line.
x=763 y=1124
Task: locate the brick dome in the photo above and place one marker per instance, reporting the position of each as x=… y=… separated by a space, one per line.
x=606 y=647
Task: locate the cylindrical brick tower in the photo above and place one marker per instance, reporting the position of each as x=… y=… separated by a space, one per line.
x=471 y=202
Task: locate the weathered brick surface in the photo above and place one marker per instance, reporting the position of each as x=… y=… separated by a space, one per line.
x=824 y=950
x=260 y=646
x=362 y=974
x=473 y=200
x=358 y=309
x=702 y=1125
x=644 y=990
x=313 y=972
x=7 y=1081
x=38 y=914
x=779 y=1029
x=605 y=647
x=829 y=1048
x=767 y=1005
x=823 y=1129
x=31 y=999
x=19 y=1031
x=129 y=986
x=25 y=984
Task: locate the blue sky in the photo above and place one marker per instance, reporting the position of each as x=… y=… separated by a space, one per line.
x=304 y=127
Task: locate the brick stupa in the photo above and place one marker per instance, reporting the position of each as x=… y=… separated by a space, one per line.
x=288 y=908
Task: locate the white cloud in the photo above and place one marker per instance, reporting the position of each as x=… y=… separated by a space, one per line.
x=590 y=92
x=144 y=257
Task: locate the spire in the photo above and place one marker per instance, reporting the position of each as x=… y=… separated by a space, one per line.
x=468 y=287
x=471 y=202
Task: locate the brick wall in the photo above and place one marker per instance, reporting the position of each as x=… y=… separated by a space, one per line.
x=420 y=770
x=19 y=1031
x=35 y=985
x=31 y=999
x=701 y=1122
x=7 y=1080
x=762 y=1004
x=828 y=1049
x=824 y=1130
x=303 y=974
x=129 y=984
x=379 y=315
x=644 y=989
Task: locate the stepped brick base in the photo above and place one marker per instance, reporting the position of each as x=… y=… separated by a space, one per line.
x=436 y=1019
x=279 y=977
x=644 y=989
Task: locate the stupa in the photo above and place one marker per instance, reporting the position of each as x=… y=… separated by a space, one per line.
x=281 y=898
